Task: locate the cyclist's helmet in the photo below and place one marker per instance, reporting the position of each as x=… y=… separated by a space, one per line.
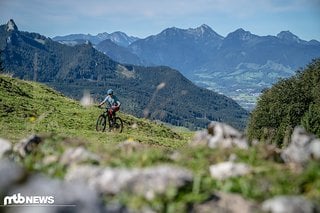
x=110 y=92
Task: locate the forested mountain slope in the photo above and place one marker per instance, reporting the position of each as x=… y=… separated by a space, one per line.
x=154 y=92
x=290 y=102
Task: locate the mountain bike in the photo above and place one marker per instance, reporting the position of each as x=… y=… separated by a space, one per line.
x=115 y=123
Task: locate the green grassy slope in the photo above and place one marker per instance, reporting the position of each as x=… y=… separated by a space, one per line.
x=29 y=107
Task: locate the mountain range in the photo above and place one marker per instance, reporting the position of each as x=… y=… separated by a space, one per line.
x=118 y=38
x=239 y=65
x=118 y=53
x=157 y=93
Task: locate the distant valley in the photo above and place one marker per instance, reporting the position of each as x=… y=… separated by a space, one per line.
x=239 y=65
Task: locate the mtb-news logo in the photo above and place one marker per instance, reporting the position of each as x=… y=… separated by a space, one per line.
x=18 y=199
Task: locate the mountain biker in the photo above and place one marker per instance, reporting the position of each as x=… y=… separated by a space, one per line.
x=112 y=102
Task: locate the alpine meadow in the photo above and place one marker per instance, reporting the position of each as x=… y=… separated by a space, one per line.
x=184 y=147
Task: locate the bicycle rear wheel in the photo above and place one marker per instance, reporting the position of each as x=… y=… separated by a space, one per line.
x=101 y=123
x=117 y=126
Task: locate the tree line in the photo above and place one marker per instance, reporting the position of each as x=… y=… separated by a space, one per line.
x=288 y=103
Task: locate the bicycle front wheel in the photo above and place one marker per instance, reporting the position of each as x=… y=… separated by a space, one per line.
x=101 y=123
x=116 y=126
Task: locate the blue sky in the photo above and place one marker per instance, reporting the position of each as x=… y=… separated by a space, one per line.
x=149 y=17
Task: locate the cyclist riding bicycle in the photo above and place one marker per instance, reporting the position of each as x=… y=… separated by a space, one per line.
x=112 y=103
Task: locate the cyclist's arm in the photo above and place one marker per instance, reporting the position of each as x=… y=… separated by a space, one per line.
x=102 y=102
x=117 y=102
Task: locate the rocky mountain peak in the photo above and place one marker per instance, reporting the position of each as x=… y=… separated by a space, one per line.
x=170 y=31
x=11 y=25
x=204 y=26
x=122 y=39
x=241 y=34
x=103 y=36
x=204 y=30
x=288 y=36
x=117 y=37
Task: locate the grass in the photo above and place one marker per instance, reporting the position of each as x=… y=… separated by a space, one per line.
x=31 y=108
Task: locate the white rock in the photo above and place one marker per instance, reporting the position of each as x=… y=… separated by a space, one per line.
x=222 y=202
x=147 y=182
x=80 y=197
x=315 y=149
x=78 y=155
x=288 y=204
x=302 y=148
x=300 y=137
x=225 y=136
x=200 y=138
x=228 y=169
x=5 y=147
x=10 y=173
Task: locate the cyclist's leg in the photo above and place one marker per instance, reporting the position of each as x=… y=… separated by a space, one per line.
x=114 y=110
x=111 y=116
x=110 y=112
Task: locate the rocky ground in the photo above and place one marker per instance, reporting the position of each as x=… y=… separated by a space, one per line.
x=86 y=184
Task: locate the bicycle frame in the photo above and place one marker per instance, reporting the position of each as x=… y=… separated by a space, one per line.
x=115 y=123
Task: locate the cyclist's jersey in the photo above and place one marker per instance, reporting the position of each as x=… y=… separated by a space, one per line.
x=111 y=101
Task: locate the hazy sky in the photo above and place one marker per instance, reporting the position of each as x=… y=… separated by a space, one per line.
x=149 y=17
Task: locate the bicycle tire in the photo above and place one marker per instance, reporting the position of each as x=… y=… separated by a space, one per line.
x=117 y=126
x=101 y=123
